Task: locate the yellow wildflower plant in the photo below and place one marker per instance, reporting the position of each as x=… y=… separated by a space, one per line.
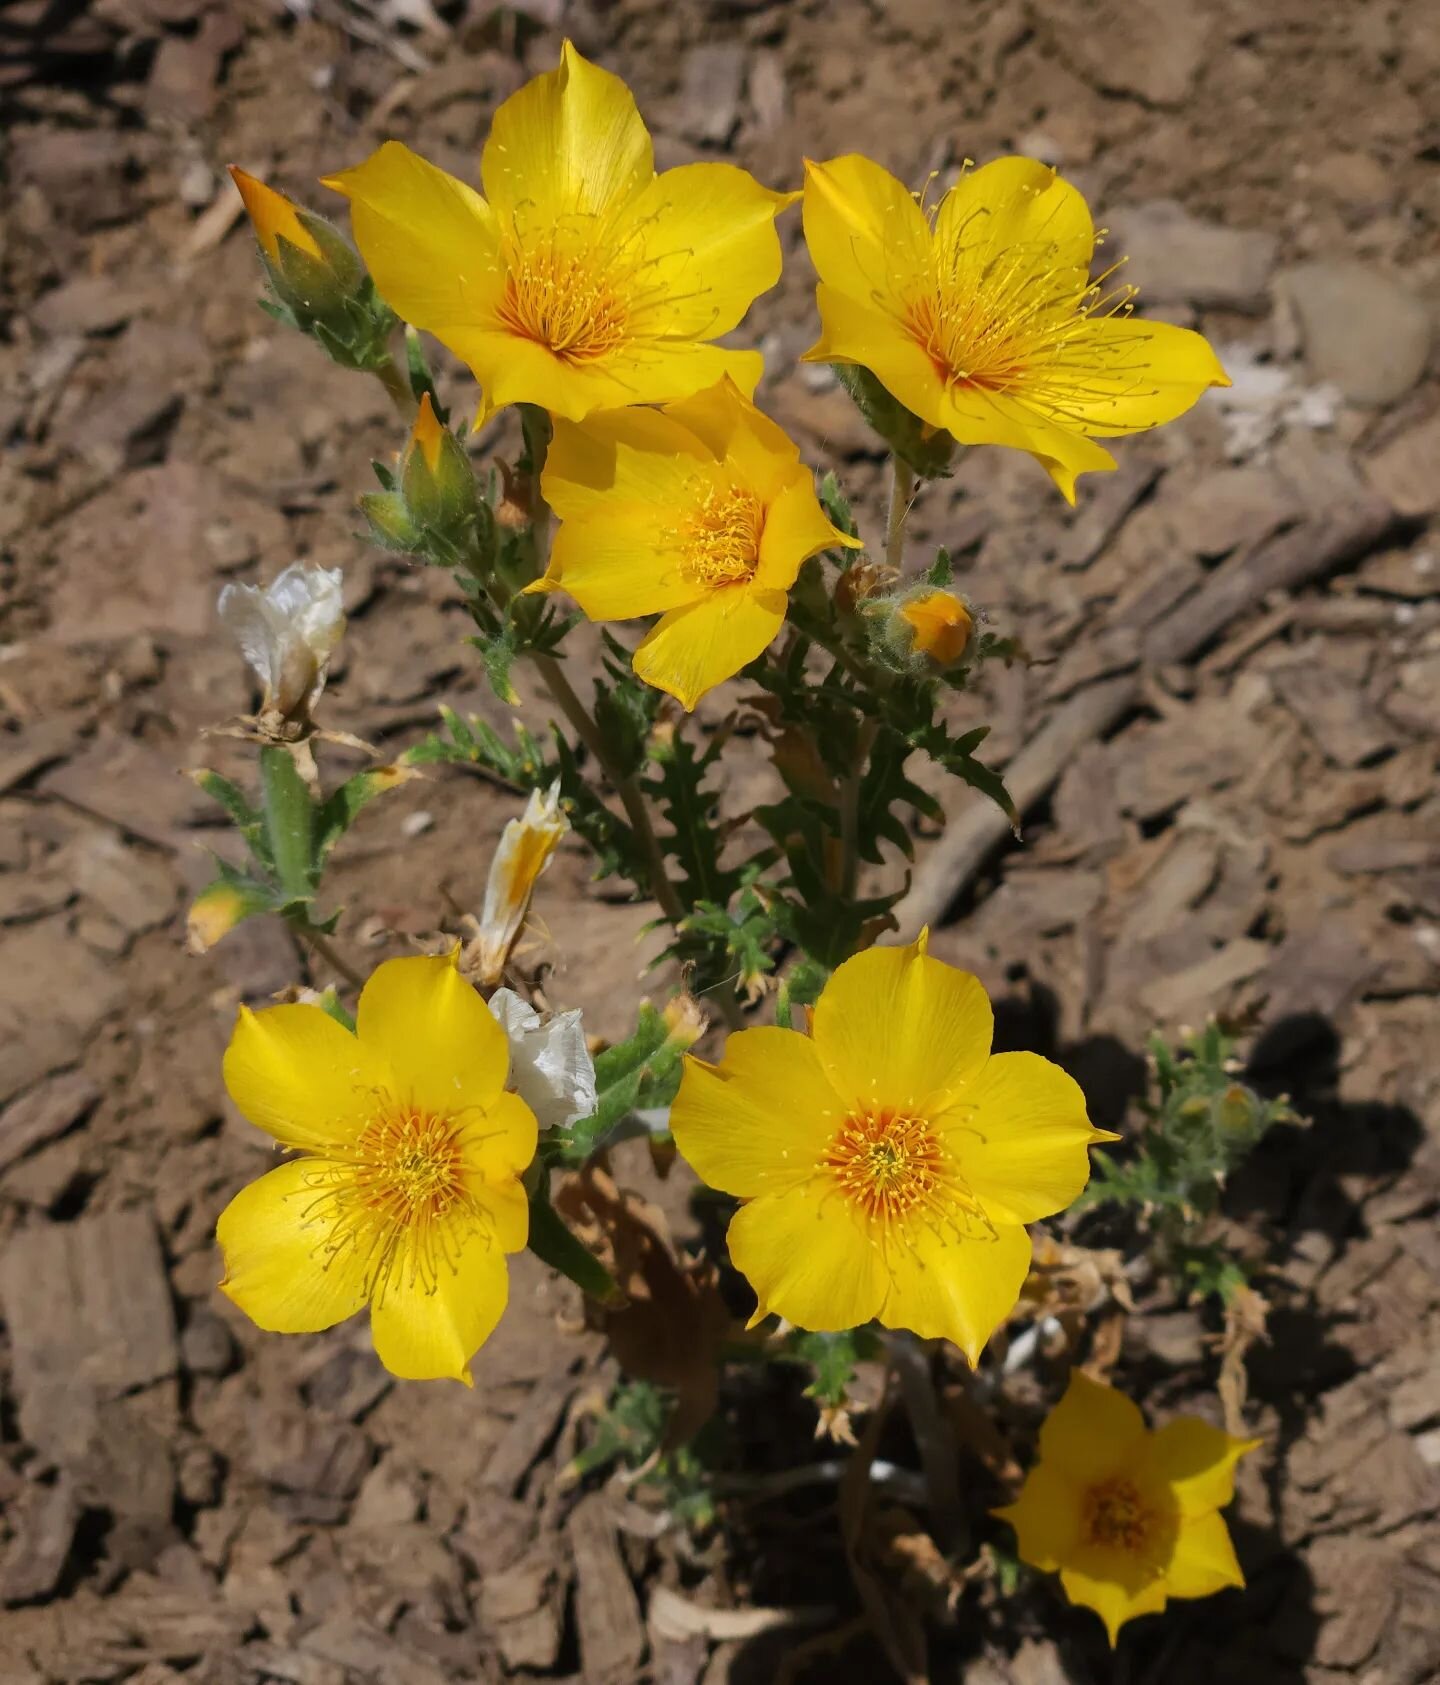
x=981 y=317
x=405 y=1194
x=1130 y=1518
x=888 y=1161
x=582 y=280
x=700 y=512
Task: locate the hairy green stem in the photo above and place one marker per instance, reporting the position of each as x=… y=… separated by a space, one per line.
x=902 y=489
x=321 y=945
x=393 y=379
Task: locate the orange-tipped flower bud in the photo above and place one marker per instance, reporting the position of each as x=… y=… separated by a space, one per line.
x=939 y=626
x=273 y=217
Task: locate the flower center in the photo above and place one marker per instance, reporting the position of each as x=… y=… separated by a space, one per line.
x=719 y=540
x=1001 y=315
x=887 y=1163
x=1115 y=1514
x=568 y=298
x=396 y=1201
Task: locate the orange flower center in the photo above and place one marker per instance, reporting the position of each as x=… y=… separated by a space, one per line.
x=1115 y=1515
x=568 y=297
x=1004 y=315
x=895 y=1170
x=719 y=540
x=396 y=1201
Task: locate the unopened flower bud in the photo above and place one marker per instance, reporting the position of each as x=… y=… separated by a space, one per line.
x=319 y=282
x=436 y=478
x=524 y=851
x=550 y=1065
x=435 y=509
x=287 y=632
x=939 y=624
x=925 y=629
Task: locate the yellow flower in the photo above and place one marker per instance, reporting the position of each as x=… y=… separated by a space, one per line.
x=522 y=854
x=702 y=513
x=889 y=1162
x=274 y=217
x=406 y=1195
x=981 y=317
x=1129 y=1517
x=938 y=624
x=582 y=280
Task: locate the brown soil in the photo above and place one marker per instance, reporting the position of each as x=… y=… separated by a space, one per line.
x=185 y=1497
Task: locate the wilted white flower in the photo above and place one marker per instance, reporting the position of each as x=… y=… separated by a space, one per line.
x=550 y=1068
x=524 y=851
x=287 y=631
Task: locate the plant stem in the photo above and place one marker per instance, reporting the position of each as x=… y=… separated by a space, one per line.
x=850 y=810
x=392 y=378
x=902 y=488
x=323 y=947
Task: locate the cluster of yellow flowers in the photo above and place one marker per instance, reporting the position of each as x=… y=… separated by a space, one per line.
x=586 y=284
x=885 y=1161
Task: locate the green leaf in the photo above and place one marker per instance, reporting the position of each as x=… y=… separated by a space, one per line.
x=692 y=812
x=339 y=809
x=249 y=820
x=639 y=1073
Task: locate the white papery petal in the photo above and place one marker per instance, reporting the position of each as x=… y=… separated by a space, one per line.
x=287 y=632
x=521 y=855
x=550 y=1066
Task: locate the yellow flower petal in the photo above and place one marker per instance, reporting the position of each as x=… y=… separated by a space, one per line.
x=618 y=457
x=712 y=228
x=864 y=228
x=855 y=330
x=437 y=1036
x=514 y=370
x=899 y=1029
x=1046 y=1517
x=1197 y=1462
x=299 y=1076
x=496 y=1146
x=1091 y=1430
x=945 y=1287
x=618 y=567
x=1017 y=202
x=807 y=1259
x=759 y=1119
x=796 y=527
x=429 y=241
x=429 y=1335
x=697 y=647
x=1020 y=1136
x=724 y=421
x=1204 y=1558
x=568 y=141
x=1110 y=1600
x=277 y=1266
x=1136 y=374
